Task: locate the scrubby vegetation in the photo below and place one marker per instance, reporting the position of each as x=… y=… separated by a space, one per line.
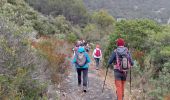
x=130 y=9
x=35 y=47
x=28 y=66
x=16 y=63
x=73 y=10
x=149 y=44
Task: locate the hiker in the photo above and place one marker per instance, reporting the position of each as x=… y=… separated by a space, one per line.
x=122 y=60
x=81 y=60
x=75 y=48
x=87 y=47
x=82 y=41
x=97 y=54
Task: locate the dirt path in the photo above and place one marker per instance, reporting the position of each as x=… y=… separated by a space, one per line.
x=70 y=91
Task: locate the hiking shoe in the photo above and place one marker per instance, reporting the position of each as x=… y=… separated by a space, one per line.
x=84 y=89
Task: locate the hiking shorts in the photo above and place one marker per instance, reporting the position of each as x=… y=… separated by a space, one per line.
x=119 y=75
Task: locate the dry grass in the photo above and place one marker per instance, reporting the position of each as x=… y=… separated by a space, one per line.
x=56 y=52
x=167 y=97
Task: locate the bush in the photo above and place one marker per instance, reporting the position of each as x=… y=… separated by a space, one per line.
x=57 y=53
x=17 y=62
x=20 y=87
x=73 y=10
x=161 y=85
x=136 y=34
x=11 y=1
x=91 y=33
x=110 y=47
x=71 y=37
x=149 y=44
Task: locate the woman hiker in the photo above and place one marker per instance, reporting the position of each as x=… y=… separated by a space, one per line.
x=81 y=60
x=122 y=60
x=97 y=54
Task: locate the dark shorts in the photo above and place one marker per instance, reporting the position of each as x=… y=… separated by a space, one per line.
x=119 y=75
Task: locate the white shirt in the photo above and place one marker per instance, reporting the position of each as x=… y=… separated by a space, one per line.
x=95 y=52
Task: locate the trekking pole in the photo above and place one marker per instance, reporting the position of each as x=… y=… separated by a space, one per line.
x=105 y=78
x=88 y=80
x=130 y=80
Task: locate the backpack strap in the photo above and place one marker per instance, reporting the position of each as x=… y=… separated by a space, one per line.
x=127 y=50
x=117 y=59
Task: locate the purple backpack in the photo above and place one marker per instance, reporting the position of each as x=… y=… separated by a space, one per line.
x=81 y=59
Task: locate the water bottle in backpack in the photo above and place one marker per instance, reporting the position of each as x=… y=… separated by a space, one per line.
x=122 y=60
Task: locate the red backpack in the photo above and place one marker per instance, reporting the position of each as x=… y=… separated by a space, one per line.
x=98 y=53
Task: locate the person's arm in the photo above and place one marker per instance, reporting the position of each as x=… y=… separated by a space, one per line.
x=74 y=59
x=112 y=58
x=88 y=58
x=130 y=59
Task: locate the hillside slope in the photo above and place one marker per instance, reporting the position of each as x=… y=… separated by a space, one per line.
x=158 y=10
x=29 y=67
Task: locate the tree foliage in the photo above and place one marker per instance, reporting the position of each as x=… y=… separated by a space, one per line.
x=103 y=19
x=91 y=33
x=73 y=10
x=104 y=22
x=149 y=45
x=21 y=14
x=22 y=69
x=17 y=61
x=132 y=9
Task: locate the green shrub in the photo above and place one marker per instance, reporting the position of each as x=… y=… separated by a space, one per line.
x=91 y=33
x=71 y=37
x=161 y=85
x=18 y=62
x=73 y=10
x=60 y=36
x=42 y=26
x=20 y=87
x=12 y=1
x=110 y=47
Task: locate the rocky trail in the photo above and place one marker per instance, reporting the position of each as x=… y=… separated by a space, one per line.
x=70 y=91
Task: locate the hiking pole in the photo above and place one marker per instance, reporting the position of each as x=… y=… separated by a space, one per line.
x=88 y=80
x=105 y=78
x=130 y=80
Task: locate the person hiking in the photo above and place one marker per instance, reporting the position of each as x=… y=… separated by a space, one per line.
x=75 y=48
x=122 y=60
x=97 y=54
x=87 y=47
x=81 y=61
